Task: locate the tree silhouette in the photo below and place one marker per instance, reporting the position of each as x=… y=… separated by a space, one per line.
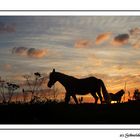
x=136 y=95
x=34 y=82
x=55 y=92
x=7 y=88
x=11 y=90
x=2 y=90
x=24 y=95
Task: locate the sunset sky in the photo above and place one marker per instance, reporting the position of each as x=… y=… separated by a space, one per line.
x=107 y=47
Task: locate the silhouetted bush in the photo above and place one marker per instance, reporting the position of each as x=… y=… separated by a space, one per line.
x=136 y=95
x=7 y=90
x=2 y=90
x=34 y=82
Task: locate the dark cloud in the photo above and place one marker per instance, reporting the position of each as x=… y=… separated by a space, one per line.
x=20 y=50
x=30 y=52
x=120 y=40
x=4 y=27
x=36 y=53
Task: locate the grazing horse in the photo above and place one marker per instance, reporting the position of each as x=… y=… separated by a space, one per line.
x=117 y=96
x=75 y=86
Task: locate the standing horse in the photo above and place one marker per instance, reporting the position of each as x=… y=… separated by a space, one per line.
x=75 y=86
x=117 y=96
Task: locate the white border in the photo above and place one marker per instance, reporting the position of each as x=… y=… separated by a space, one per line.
x=69 y=4
x=69 y=127
x=70 y=13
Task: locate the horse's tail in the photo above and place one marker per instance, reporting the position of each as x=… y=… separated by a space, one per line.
x=105 y=92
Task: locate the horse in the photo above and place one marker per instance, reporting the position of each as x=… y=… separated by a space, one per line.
x=75 y=86
x=117 y=96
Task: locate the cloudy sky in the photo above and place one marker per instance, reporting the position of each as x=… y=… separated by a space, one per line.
x=107 y=47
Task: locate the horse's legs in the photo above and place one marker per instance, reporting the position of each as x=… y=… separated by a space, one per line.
x=95 y=96
x=67 y=98
x=100 y=96
x=75 y=99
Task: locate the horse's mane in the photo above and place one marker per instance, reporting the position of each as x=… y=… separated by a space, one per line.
x=72 y=77
x=65 y=75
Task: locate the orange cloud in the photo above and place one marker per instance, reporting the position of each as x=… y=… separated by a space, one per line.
x=135 y=31
x=102 y=38
x=138 y=62
x=30 y=52
x=120 y=40
x=83 y=43
x=7 y=67
x=136 y=44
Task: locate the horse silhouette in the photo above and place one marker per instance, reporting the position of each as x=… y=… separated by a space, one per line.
x=117 y=96
x=77 y=86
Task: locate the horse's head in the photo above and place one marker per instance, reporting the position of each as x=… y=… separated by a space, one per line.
x=52 y=78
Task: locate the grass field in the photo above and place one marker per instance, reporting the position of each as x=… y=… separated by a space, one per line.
x=60 y=113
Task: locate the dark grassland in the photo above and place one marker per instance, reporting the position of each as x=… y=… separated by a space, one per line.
x=60 y=113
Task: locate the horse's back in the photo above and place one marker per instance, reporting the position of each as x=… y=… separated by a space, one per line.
x=89 y=79
x=85 y=85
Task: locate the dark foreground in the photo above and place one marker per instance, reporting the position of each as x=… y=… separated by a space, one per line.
x=60 y=113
